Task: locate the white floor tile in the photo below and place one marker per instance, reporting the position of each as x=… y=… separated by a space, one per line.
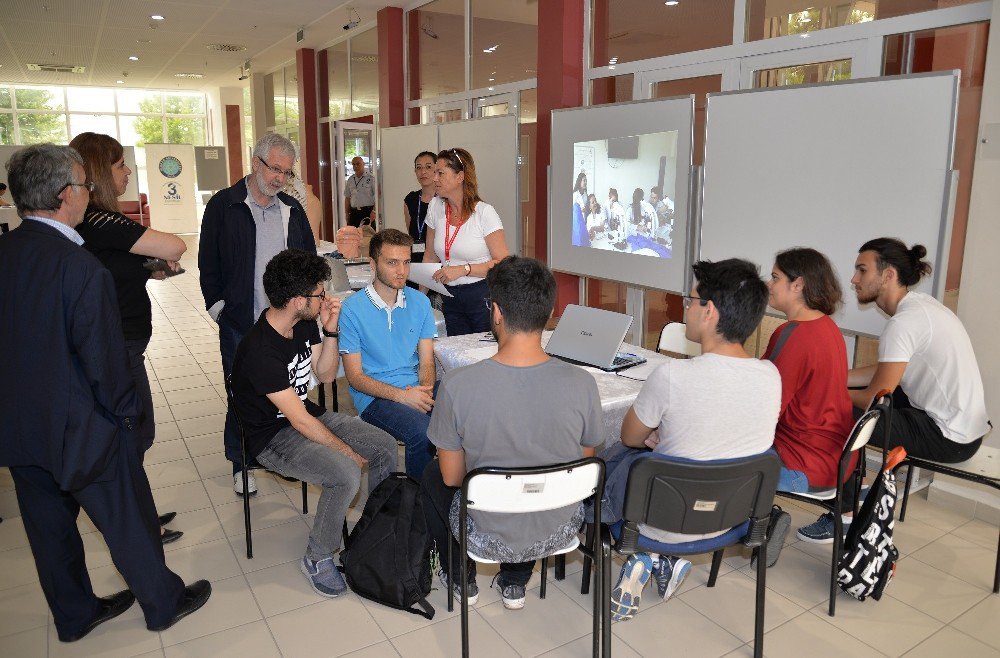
x=202 y=426
x=212 y=560
x=198 y=409
x=26 y=644
x=333 y=627
x=187 y=395
x=22 y=608
x=444 y=640
x=230 y=605
x=252 y=639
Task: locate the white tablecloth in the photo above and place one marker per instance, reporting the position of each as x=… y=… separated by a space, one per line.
x=618 y=392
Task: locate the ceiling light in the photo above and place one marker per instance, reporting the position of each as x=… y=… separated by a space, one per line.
x=226 y=47
x=671 y=3
x=156 y=17
x=133 y=58
x=120 y=82
x=613 y=60
x=491 y=49
x=189 y=75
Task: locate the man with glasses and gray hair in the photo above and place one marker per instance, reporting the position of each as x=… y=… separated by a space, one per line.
x=245 y=226
x=69 y=409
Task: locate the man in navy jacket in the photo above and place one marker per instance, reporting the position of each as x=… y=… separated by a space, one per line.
x=243 y=228
x=68 y=407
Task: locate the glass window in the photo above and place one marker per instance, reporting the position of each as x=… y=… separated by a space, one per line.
x=185 y=131
x=661 y=308
x=339 y=93
x=274 y=103
x=291 y=76
x=606 y=294
x=39 y=98
x=504 y=41
x=129 y=135
x=611 y=90
x=38 y=127
x=630 y=30
x=803 y=74
x=527 y=114
x=4 y=97
x=700 y=86
x=90 y=99
x=175 y=103
x=6 y=128
x=437 y=54
x=96 y=123
x=133 y=101
x=147 y=129
x=364 y=73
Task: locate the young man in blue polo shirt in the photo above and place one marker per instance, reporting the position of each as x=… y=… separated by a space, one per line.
x=386 y=339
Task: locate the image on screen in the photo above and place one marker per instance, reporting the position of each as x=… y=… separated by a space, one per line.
x=623 y=194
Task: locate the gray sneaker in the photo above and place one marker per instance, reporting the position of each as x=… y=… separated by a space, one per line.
x=669 y=573
x=472 y=588
x=323 y=577
x=512 y=595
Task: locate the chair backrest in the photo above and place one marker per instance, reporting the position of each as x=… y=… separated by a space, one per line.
x=672 y=339
x=531 y=489
x=699 y=497
x=863 y=429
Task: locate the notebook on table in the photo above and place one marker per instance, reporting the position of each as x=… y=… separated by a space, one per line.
x=592 y=337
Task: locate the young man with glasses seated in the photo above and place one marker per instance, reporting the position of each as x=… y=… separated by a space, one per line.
x=243 y=228
x=723 y=404
x=387 y=334
x=287 y=433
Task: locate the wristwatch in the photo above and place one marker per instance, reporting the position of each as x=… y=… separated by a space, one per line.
x=468 y=269
x=331 y=334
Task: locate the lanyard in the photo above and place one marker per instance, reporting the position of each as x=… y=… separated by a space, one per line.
x=449 y=238
x=420 y=224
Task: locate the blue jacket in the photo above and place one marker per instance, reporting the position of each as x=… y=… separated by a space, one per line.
x=227 y=248
x=67 y=397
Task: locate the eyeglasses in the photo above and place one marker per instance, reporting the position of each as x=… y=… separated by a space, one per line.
x=321 y=295
x=89 y=185
x=287 y=173
x=689 y=299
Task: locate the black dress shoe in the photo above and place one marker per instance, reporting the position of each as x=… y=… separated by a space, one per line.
x=169 y=536
x=167 y=518
x=195 y=596
x=111 y=607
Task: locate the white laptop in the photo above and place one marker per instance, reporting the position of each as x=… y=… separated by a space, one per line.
x=592 y=337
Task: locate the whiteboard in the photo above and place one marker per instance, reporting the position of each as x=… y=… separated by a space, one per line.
x=831 y=166
x=399 y=146
x=493 y=144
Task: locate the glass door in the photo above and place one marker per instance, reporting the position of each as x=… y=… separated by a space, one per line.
x=829 y=63
x=444 y=112
x=352 y=140
x=496 y=106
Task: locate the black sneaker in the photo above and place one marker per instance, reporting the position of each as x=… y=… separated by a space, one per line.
x=777 y=530
x=512 y=595
x=473 y=588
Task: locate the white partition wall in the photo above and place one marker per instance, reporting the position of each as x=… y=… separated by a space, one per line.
x=132 y=191
x=398 y=148
x=831 y=166
x=493 y=145
x=171 y=176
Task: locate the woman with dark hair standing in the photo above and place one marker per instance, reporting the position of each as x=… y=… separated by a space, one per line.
x=811 y=357
x=123 y=246
x=415 y=203
x=580 y=191
x=467 y=238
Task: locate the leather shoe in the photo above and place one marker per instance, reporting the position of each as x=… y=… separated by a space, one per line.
x=168 y=536
x=167 y=518
x=111 y=607
x=195 y=596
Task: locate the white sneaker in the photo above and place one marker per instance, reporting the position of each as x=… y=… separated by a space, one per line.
x=238 y=483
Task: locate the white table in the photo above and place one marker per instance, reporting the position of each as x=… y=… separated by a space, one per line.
x=618 y=392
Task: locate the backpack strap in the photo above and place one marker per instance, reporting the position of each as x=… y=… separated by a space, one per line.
x=427 y=612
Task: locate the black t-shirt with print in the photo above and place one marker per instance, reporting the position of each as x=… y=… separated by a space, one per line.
x=267 y=362
x=109 y=236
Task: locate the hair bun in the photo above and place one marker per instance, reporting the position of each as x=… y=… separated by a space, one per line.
x=918 y=251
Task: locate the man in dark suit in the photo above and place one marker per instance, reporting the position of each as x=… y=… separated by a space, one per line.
x=68 y=407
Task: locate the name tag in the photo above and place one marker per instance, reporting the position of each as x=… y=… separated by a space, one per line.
x=705 y=505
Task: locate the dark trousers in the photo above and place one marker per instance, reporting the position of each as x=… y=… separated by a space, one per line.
x=122 y=509
x=229 y=340
x=917 y=432
x=437 y=498
x=359 y=216
x=136 y=362
x=466 y=312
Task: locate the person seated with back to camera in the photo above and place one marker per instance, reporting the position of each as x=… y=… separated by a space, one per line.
x=387 y=334
x=925 y=358
x=720 y=405
x=519 y=408
x=287 y=433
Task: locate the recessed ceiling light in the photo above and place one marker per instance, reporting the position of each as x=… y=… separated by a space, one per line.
x=672 y=3
x=120 y=82
x=133 y=58
x=189 y=75
x=156 y=17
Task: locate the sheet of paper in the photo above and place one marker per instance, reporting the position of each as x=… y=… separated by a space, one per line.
x=421 y=273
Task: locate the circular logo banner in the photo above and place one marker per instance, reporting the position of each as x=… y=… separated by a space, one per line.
x=170 y=167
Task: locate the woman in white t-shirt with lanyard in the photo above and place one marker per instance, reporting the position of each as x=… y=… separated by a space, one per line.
x=465 y=235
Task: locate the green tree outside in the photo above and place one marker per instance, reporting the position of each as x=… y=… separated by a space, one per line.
x=180 y=130
x=36 y=128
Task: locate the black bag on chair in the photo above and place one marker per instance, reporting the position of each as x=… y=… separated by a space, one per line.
x=387 y=558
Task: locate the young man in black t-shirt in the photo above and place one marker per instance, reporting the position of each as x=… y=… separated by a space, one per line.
x=286 y=432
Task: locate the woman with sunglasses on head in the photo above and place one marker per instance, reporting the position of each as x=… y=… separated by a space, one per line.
x=415 y=203
x=467 y=239
x=123 y=247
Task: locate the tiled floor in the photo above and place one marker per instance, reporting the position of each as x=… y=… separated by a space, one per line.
x=939 y=604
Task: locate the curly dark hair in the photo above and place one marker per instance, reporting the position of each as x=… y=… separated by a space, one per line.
x=525 y=291
x=293 y=273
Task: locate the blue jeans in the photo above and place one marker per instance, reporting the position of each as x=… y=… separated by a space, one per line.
x=229 y=340
x=293 y=455
x=792 y=481
x=407 y=425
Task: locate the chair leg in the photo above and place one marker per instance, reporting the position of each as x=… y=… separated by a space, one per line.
x=344 y=533
x=605 y=591
x=246 y=510
x=838 y=544
x=465 y=588
x=305 y=499
x=716 y=563
x=996 y=575
x=758 y=631
x=545 y=573
x=906 y=493
x=561 y=567
x=588 y=531
x=451 y=576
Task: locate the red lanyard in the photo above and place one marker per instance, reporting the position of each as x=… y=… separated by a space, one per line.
x=449 y=237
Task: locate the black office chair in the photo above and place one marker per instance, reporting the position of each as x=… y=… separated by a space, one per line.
x=832 y=499
x=248 y=466
x=697 y=498
x=537 y=489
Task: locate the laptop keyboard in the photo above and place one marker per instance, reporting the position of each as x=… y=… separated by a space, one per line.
x=621 y=360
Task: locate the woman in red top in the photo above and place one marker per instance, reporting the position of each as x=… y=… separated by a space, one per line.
x=810 y=354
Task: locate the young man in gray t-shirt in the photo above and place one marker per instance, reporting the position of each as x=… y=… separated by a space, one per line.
x=519 y=408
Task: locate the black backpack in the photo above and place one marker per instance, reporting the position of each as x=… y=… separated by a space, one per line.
x=387 y=558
